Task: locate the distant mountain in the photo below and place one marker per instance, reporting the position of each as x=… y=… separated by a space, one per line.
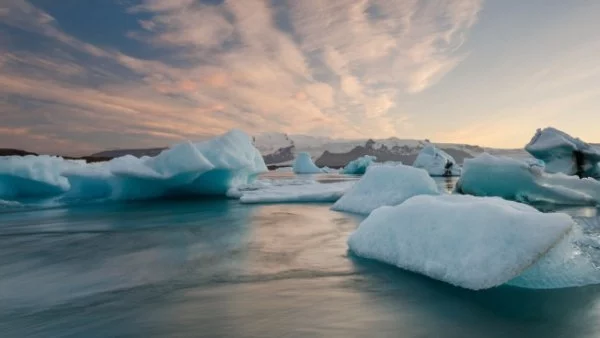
x=280 y=149
x=133 y=152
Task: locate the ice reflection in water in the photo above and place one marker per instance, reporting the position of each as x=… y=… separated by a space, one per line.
x=217 y=268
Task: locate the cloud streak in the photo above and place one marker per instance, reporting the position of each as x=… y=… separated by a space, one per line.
x=335 y=67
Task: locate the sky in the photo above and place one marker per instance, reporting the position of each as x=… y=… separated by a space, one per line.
x=82 y=76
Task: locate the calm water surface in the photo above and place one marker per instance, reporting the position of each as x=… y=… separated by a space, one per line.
x=216 y=268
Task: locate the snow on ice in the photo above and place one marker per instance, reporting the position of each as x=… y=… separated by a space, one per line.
x=303 y=164
x=522 y=181
x=471 y=242
x=206 y=168
x=385 y=185
x=563 y=153
x=437 y=162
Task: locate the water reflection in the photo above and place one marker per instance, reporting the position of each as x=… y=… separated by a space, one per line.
x=218 y=268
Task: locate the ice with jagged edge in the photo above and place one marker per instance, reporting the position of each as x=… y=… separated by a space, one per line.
x=556 y=148
x=386 y=185
x=475 y=243
x=359 y=166
x=437 y=162
x=187 y=169
x=525 y=181
x=34 y=176
x=303 y=164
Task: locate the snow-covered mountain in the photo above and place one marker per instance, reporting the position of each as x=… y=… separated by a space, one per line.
x=280 y=149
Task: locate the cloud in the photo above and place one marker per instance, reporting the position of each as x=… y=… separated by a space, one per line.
x=325 y=67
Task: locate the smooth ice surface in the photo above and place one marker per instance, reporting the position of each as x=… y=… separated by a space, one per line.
x=303 y=164
x=471 y=242
x=386 y=185
x=205 y=168
x=487 y=175
x=359 y=166
x=437 y=162
x=556 y=148
x=312 y=192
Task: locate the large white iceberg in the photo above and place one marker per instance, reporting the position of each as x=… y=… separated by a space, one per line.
x=204 y=168
x=437 y=162
x=487 y=175
x=471 y=242
x=563 y=153
x=303 y=164
x=386 y=185
x=358 y=166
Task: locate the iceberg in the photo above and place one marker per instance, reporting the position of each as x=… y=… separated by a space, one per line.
x=563 y=153
x=303 y=164
x=470 y=242
x=358 y=166
x=33 y=176
x=301 y=193
x=512 y=179
x=386 y=185
x=437 y=162
x=210 y=167
x=266 y=183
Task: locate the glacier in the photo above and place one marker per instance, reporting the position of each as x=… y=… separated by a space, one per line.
x=437 y=162
x=524 y=181
x=358 y=166
x=303 y=164
x=563 y=153
x=385 y=185
x=470 y=242
x=209 y=167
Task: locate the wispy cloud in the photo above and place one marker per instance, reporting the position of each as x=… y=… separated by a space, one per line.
x=328 y=67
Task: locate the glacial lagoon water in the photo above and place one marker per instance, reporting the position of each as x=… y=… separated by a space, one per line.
x=217 y=268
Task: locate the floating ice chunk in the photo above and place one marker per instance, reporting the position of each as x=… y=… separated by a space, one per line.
x=558 y=150
x=565 y=265
x=33 y=176
x=329 y=170
x=266 y=183
x=303 y=164
x=471 y=242
x=437 y=162
x=315 y=192
x=285 y=170
x=388 y=163
x=386 y=185
x=205 y=168
x=487 y=175
x=358 y=166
